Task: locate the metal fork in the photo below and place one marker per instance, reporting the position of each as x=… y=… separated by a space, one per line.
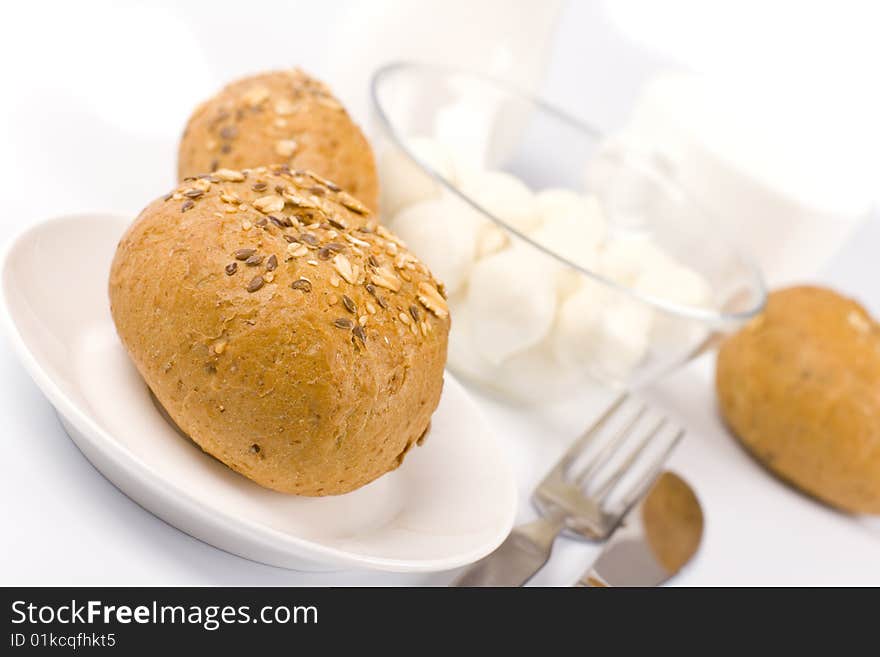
x=574 y=496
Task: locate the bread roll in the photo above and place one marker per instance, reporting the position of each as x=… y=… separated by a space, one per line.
x=283 y=330
x=800 y=387
x=282 y=117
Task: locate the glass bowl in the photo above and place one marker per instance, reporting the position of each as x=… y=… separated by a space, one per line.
x=568 y=257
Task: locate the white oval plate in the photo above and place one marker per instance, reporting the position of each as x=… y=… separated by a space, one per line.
x=450 y=503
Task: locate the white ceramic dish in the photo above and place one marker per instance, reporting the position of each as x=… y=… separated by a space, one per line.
x=452 y=501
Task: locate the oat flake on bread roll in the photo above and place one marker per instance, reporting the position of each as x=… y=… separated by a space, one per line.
x=283 y=330
x=280 y=117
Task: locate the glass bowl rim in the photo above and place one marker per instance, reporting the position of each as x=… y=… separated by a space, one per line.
x=704 y=315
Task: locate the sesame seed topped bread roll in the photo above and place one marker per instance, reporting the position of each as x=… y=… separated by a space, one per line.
x=281 y=117
x=283 y=330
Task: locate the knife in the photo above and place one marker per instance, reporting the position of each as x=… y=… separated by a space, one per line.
x=518 y=558
x=656 y=539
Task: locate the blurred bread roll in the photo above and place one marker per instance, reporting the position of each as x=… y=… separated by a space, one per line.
x=279 y=117
x=800 y=387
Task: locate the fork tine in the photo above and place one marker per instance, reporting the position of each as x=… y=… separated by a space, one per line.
x=578 y=446
x=610 y=448
x=608 y=485
x=657 y=465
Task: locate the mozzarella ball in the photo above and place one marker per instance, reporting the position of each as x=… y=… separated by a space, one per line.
x=443 y=234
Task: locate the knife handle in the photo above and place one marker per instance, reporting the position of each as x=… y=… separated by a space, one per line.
x=518 y=558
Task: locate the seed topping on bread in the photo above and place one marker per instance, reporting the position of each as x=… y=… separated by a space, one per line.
x=294 y=216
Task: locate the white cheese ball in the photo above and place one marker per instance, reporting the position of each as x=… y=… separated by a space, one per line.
x=602 y=333
x=491 y=238
x=557 y=200
x=464 y=124
x=572 y=337
x=573 y=231
x=671 y=334
x=503 y=196
x=404 y=182
x=533 y=375
x=443 y=234
x=565 y=208
x=569 y=280
x=512 y=302
x=622 y=339
x=667 y=280
x=624 y=259
x=630 y=181
x=463 y=356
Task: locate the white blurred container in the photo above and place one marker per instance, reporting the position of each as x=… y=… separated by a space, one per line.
x=509 y=41
x=790 y=199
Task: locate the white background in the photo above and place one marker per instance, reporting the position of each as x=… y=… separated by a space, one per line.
x=96 y=94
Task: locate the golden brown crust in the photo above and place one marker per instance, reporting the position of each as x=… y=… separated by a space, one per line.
x=800 y=387
x=291 y=343
x=280 y=117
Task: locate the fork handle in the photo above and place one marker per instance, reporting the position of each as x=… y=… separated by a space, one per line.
x=518 y=558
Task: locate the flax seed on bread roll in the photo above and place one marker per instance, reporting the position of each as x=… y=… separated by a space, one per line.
x=800 y=387
x=280 y=117
x=283 y=330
